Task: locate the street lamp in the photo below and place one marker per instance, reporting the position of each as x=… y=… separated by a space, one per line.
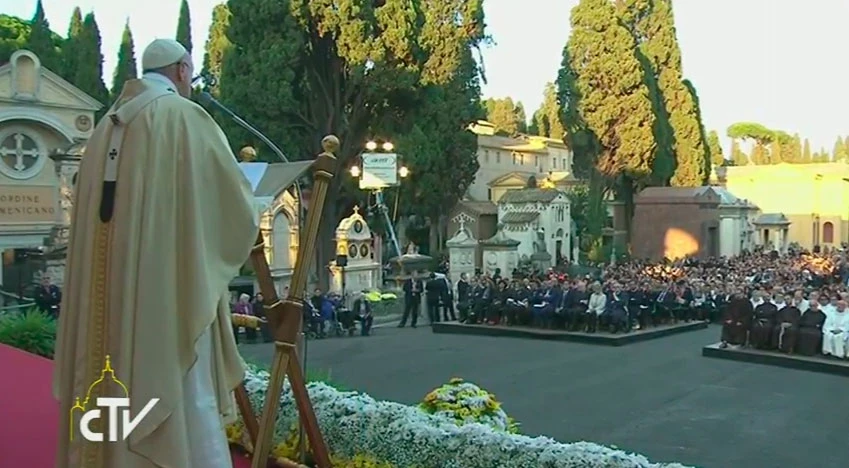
x=378 y=168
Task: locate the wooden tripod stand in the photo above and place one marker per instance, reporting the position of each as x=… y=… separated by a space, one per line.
x=285 y=320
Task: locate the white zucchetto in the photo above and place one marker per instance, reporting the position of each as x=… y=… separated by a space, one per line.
x=161 y=53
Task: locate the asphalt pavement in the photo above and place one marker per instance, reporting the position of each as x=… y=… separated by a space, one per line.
x=660 y=398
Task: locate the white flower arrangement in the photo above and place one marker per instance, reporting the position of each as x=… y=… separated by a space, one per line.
x=356 y=425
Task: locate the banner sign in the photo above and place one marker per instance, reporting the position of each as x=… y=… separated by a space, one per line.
x=379 y=170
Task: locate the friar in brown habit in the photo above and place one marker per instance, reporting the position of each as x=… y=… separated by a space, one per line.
x=809 y=341
x=786 y=326
x=762 y=324
x=736 y=320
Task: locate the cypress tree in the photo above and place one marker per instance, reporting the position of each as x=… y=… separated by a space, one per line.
x=546 y=120
x=40 y=40
x=70 y=49
x=217 y=44
x=184 y=26
x=89 y=74
x=839 y=151
x=126 y=69
x=738 y=157
x=795 y=151
x=653 y=25
x=703 y=140
x=774 y=155
x=607 y=110
x=759 y=156
x=716 y=156
x=807 y=158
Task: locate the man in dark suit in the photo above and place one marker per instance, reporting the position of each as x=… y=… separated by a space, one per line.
x=413 y=288
x=48 y=297
x=464 y=297
x=434 y=292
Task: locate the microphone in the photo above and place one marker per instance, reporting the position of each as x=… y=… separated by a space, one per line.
x=206 y=98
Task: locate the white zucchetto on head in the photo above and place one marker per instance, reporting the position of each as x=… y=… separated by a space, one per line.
x=161 y=53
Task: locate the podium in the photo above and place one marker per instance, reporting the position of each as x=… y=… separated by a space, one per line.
x=285 y=316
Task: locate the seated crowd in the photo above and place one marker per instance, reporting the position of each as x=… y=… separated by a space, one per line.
x=322 y=313
x=638 y=294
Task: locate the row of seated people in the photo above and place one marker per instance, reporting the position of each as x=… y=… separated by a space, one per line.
x=789 y=324
x=549 y=304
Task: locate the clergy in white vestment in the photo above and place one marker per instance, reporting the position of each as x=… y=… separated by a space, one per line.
x=163 y=219
x=835 y=331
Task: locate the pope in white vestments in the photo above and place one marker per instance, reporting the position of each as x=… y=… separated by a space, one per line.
x=163 y=220
x=835 y=331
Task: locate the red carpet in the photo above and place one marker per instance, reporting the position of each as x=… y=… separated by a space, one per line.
x=29 y=413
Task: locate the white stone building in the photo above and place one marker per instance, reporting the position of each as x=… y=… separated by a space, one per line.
x=736 y=223
x=540 y=219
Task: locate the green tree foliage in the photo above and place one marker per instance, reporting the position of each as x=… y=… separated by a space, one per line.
x=703 y=140
x=839 y=151
x=126 y=69
x=757 y=132
x=653 y=25
x=13 y=36
x=217 y=44
x=441 y=155
x=546 y=120
x=738 y=157
x=607 y=110
x=759 y=156
x=70 y=51
x=807 y=157
x=300 y=70
x=41 y=40
x=89 y=74
x=717 y=158
x=507 y=117
x=635 y=16
x=184 y=26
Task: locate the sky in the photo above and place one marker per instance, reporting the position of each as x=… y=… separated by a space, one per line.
x=781 y=63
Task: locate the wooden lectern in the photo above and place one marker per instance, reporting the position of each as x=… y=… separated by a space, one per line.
x=285 y=319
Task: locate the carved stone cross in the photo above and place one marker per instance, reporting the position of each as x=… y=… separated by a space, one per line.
x=19 y=152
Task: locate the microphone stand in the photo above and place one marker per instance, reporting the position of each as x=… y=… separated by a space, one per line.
x=253 y=427
x=207 y=98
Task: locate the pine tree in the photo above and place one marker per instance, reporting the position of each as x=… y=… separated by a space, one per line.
x=716 y=156
x=759 y=156
x=794 y=155
x=217 y=45
x=839 y=152
x=807 y=158
x=89 y=74
x=184 y=26
x=70 y=49
x=653 y=25
x=738 y=157
x=607 y=109
x=40 y=41
x=127 y=69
